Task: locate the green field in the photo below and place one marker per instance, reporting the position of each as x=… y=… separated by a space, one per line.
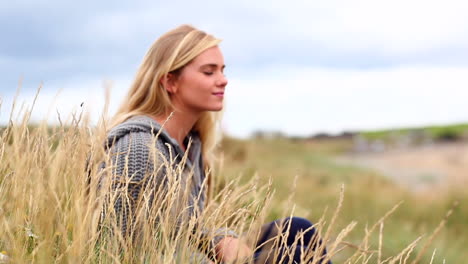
x=368 y=195
x=47 y=210
x=448 y=132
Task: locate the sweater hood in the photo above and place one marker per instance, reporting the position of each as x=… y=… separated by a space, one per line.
x=143 y=124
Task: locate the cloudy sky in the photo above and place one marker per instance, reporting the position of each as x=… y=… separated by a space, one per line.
x=299 y=67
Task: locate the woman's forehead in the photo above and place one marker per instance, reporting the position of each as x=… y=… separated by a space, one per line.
x=210 y=57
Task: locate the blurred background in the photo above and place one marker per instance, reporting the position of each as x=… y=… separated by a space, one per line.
x=372 y=94
x=300 y=67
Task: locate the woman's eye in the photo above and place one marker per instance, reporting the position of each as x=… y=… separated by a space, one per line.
x=208 y=73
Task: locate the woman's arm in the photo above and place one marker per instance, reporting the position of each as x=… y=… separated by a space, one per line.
x=133 y=166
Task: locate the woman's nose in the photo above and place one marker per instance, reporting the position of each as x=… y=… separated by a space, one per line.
x=222 y=81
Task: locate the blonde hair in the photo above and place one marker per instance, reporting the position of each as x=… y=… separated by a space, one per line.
x=147 y=96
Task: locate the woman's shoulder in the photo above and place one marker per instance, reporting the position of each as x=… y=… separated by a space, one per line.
x=135 y=130
x=139 y=123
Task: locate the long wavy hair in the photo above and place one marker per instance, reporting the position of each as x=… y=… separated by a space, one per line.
x=147 y=96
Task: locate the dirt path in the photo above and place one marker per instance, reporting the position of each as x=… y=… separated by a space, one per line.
x=427 y=168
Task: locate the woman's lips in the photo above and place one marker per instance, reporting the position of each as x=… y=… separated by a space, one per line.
x=220 y=94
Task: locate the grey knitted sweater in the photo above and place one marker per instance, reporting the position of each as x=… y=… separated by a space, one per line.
x=144 y=157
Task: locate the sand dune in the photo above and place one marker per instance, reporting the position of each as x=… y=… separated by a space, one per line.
x=425 y=168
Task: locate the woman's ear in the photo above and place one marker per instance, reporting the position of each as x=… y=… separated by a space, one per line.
x=168 y=81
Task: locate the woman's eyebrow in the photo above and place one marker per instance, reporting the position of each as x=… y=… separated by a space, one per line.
x=212 y=65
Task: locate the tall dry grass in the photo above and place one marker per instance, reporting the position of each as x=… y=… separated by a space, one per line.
x=51 y=204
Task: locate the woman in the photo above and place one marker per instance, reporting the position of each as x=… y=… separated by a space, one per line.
x=168 y=123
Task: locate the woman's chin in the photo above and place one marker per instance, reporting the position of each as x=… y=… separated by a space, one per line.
x=215 y=108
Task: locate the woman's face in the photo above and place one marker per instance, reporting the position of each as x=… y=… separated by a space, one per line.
x=201 y=83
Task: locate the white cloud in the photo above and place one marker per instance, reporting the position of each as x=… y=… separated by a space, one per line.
x=61 y=100
x=298 y=101
x=303 y=101
x=389 y=26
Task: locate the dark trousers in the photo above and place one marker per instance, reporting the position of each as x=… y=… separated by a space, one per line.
x=310 y=246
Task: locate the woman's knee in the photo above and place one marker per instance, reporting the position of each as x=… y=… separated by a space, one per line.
x=297 y=222
x=298 y=226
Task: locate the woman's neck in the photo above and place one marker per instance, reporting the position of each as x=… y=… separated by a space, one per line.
x=178 y=125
